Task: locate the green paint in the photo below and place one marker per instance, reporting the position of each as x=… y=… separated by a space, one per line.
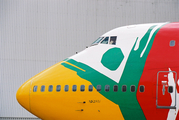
x=112 y=58
x=127 y=101
x=131 y=76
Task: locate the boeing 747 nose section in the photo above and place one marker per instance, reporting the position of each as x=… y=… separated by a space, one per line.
x=128 y=73
x=58 y=91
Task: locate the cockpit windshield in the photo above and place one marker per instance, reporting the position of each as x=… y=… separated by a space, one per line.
x=97 y=41
x=106 y=40
x=113 y=40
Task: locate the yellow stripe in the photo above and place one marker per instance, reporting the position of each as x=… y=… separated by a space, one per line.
x=74 y=66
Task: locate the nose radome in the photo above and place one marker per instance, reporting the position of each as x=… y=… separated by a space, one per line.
x=23 y=95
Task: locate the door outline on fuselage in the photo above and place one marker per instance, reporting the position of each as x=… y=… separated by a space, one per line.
x=175 y=91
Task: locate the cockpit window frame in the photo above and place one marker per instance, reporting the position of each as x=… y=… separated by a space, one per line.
x=114 y=39
x=111 y=40
x=97 y=41
x=104 y=39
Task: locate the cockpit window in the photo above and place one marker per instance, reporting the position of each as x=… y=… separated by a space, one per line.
x=105 y=41
x=113 y=40
x=97 y=41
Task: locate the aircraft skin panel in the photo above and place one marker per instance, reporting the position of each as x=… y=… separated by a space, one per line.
x=145 y=57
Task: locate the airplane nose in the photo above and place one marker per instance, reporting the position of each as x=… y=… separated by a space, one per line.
x=23 y=95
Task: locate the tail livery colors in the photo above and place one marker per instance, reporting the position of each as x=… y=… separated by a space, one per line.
x=129 y=73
